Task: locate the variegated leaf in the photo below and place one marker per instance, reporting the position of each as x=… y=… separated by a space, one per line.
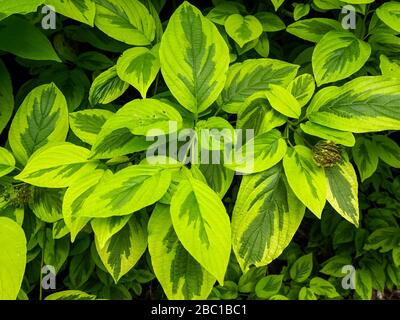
x=12 y=258
x=124 y=249
x=80 y=10
x=302 y=88
x=57 y=166
x=259 y=154
x=342 y=191
x=338 y=55
x=107 y=87
x=389 y=13
x=257 y=114
x=119 y=135
x=366 y=157
x=128 y=21
x=74 y=198
x=127 y=191
x=364 y=104
x=180 y=275
x=283 y=101
x=139 y=67
x=7 y=162
x=194 y=59
x=265 y=218
x=202 y=225
x=46 y=204
x=305 y=178
x=313 y=29
x=243 y=29
x=252 y=76
x=105 y=228
x=340 y=137
x=70 y=295
x=42 y=118
x=87 y=124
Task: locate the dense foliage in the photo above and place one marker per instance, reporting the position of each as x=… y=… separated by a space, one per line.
x=152 y=149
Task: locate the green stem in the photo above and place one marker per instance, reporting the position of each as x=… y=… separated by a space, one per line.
x=41 y=275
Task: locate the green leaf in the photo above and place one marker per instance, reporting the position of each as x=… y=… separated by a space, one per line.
x=265 y=218
x=42 y=118
x=223 y=10
x=243 y=29
x=340 y=137
x=252 y=76
x=12 y=258
x=306 y=294
x=268 y=286
x=180 y=275
x=7 y=162
x=385 y=239
x=87 y=124
x=389 y=68
x=283 y=101
x=115 y=139
x=57 y=166
x=300 y=10
x=194 y=59
x=202 y=225
x=139 y=67
x=342 y=191
x=364 y=284
x=70 y=295
x=220 y=133
x=55 y=252
x=60 y=229
x=93 y=61
x=323 y=287
x=333 y=266
x=302 y=88
x=80 y=270
x=387 y=150
x=80 y=10
x=270 y=21
x=128 y=21
x=389 y=13
x=105 y=228
x=313 y=29
x=46 y=204
x=32 y=44
x=8 y=8
x=124 y=249
x=396 y=256
x=364 y=104
x=127 y=191
x=218 y=177
x=149 y=117
x=277 y=3
x=305 y=178
x=72 y=83
x=366 y=157
x=302 y=268
x=74 y=199
x=107 y=87
x=262 y=47
x=6 y=97
x=257 y=114
x=259 y=154
x=338 y=55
